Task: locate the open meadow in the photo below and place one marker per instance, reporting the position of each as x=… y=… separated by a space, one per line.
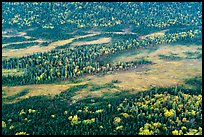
x=104 y=69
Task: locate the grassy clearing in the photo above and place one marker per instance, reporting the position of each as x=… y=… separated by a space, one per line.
x=16 y=96
x=173 y=73
x=155 y=34
x=132 y=55
x=98 y=90
x=171 y=57
x=90 y=38
x=193 y=55
x=145 y=77
x=153 y=52
x=66 y=90
x=175 y=49
x=39 y=89
x=106 y=38
x=30 y=50
x=107 y=85
x=199 y=48
x=98 y=41
x=195 y=82
x=70 y=92
x=160 y=74
x=18 y=38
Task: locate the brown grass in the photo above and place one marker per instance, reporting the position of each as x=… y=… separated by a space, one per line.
x=37 y=48
x=162 y=49
x=39 y=89
x=155 y=34
x=161 y=74
x=98 y=41
x=178 y=49
x=165 y=74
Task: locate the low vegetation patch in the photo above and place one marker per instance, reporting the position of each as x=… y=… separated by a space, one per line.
x=13 y=97
x=171 y=57
x=107 y=85
x=6 y=40
x=196 y=81
x=193 y=55
x=21 y=45
x=67 y=94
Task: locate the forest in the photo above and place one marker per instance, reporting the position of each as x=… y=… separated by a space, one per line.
x=130 y=28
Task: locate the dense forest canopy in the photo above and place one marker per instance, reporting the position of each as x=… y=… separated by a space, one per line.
x=101 y=14
x=146 y=79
